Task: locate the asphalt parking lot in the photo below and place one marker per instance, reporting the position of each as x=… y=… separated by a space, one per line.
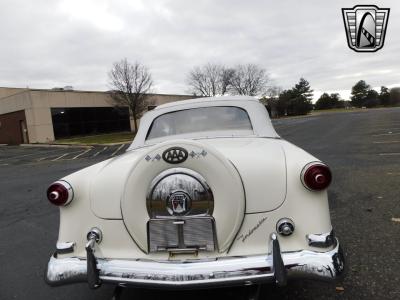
x=22 y=155
x=362 y=149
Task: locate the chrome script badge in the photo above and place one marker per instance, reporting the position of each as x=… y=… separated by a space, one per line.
x=365 y=27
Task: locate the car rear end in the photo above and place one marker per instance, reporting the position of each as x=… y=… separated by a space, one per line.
x=193 y=214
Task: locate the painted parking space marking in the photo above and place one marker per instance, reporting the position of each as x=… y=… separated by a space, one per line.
x=80 y=154
x=52 y=154
x=116 y=151
x=386 y=142
x=58 y=158
x=27 y=155
x=393 y=173
x=395 y=123
x=47 y=157
x=386 y=134
x=98 y=152
x=17 y=155
x=65 y=154
x=390 y=129
x=386 y=130
x=389 y=154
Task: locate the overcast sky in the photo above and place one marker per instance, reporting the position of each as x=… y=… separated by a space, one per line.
x=49 y=43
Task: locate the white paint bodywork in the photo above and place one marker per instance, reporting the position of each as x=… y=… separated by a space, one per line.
x=255 y=181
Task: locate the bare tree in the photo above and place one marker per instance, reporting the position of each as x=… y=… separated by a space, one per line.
x=226 y=79
x=273 y=91
x=271 y=94
x=130 y=85
x=250 y=80
x=210 y=80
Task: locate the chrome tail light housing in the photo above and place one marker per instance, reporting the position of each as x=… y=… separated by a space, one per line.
x=60 y=193
x=316 y=176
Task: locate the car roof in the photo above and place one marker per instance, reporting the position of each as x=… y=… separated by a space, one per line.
x=206 y=99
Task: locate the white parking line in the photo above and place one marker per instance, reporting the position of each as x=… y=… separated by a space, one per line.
x=84 y=152
x=389 y=154
x=386 y=134
x=97 y=153
x=395 y=123
x=65 y=154
x=26 y=155
x=391 y=129
x=385 y=130
x=116 y=151
x=393 y=173
x=386 y=142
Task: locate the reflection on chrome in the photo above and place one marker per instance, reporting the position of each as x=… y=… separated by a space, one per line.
x=194 y=273
x=65 y=247
x=322 y=240
x=190 y=185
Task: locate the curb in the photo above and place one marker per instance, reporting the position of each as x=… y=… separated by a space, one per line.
x=111 y=144
x=92 y=145
x=56 y=145
x=292 y=117
x=72 y=145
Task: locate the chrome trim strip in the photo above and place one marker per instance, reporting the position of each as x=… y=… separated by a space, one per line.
x=199 y=273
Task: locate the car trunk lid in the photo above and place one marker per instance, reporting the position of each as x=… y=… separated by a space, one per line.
x=261 y=164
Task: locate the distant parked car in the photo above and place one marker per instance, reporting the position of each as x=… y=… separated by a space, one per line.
x=208 y=194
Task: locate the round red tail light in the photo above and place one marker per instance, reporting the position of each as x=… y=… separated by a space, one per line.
x=60 y=193
x=316 y=176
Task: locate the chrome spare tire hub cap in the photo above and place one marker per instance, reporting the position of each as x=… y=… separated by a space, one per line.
x=179 y=192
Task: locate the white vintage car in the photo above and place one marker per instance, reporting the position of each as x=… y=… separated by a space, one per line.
x=208 y=194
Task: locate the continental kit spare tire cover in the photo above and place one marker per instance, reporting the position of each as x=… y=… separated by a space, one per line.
x=220 y=175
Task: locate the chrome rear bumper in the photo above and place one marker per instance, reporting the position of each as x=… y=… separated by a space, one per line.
x=201 y=273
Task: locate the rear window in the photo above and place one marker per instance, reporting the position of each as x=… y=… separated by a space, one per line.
x=215 y=120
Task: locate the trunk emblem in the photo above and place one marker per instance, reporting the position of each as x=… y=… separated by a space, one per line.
x=178 y=203
x=175 y=155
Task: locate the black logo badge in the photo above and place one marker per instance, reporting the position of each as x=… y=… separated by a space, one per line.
x=175 y=155
x=365 y=27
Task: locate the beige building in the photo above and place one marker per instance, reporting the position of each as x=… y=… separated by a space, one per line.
x=42 y=116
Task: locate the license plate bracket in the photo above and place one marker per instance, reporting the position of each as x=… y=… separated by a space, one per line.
x=174 y=234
